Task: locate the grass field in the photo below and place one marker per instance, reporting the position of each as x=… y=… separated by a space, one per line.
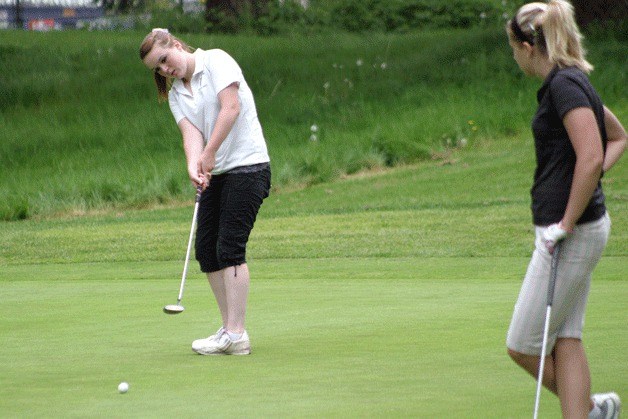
x=385 y=264
x=344 y=337
x=81 y=129
x=384 y=294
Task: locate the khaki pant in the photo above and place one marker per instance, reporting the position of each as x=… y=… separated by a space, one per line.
x=579 y=254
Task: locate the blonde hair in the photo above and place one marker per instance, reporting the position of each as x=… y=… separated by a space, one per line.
x=552 y=28
x=165 y=39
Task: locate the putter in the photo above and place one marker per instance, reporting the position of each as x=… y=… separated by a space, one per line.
x=178 y=308
x=550 y=299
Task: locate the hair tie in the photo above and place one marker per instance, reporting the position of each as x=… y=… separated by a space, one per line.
x=516 y=29
x=160 y=30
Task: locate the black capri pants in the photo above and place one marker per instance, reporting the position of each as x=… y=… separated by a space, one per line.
x=227 y=211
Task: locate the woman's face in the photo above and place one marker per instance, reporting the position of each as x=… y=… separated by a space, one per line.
x=169 y=62
x=521 y=56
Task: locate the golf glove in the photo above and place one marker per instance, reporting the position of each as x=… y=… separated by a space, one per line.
x=552 y=235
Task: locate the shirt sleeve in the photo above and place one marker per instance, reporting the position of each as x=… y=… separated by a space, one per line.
x=223 y=69
x=568 y=94
x=174 y=106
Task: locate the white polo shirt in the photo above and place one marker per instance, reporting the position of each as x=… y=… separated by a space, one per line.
x=214 y=71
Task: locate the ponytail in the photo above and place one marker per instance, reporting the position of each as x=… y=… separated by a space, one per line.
x=562 y=36
x=552 y=28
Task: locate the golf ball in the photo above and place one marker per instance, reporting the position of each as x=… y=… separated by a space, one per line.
x=123 y=387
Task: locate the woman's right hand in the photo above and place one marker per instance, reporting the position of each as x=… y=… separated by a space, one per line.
x=197 y=179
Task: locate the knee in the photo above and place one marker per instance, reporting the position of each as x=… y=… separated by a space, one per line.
x=231 y=252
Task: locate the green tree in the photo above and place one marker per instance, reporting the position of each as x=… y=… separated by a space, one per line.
x=588 y=11
x=226 y=15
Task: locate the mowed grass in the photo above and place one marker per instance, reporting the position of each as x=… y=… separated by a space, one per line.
x=406 y=337
x=381 y=295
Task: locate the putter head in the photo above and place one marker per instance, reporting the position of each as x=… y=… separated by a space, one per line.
x=173 y=309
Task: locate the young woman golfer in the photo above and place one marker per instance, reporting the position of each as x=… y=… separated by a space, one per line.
x=576 y=139
x=226 y=154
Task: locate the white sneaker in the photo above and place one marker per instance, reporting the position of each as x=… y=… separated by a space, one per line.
x=204 y=346
x=225 y=346
x=241 y=346
x=609 y=404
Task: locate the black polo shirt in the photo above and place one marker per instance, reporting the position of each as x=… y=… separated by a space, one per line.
x=563 y=90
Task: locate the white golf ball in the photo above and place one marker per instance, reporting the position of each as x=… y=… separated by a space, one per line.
x=123 y=387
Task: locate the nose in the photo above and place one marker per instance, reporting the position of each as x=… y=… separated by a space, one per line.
x=162 y=69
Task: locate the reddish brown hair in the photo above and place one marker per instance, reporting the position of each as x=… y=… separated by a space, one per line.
x=163 y=38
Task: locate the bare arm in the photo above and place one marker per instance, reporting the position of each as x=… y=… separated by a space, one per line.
x=616 y=139
x=585 y=137
x=193 y=147
x=229 y=111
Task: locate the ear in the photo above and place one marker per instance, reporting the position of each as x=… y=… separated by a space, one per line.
x=177 y=45
x=528 y=48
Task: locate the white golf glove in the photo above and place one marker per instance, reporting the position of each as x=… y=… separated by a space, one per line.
x=552 y=235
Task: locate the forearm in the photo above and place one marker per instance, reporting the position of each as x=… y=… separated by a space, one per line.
x=224 y=123
x=617 y=138
x=227 y=116
x=614 y=151
x=193 y=148
x=585 y=180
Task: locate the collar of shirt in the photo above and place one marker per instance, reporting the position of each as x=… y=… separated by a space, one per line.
x=541 y=92
x=198 y=71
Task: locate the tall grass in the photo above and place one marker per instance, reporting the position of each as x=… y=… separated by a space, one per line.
x=81 y=129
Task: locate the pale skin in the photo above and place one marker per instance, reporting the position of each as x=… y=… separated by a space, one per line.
x=566 y=372
x=230 y=285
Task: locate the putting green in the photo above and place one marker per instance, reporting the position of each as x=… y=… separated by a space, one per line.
x=331 y=337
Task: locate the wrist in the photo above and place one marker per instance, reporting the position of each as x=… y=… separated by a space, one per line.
x=567 y=226
x=210 y=148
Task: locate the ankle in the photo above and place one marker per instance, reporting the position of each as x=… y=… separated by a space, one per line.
x=234 y=335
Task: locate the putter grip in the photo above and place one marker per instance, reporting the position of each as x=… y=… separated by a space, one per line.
x=199 y=190
x=553 y=274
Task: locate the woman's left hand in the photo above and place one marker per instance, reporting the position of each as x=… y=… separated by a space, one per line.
x=554 y=234
x=206 y=164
